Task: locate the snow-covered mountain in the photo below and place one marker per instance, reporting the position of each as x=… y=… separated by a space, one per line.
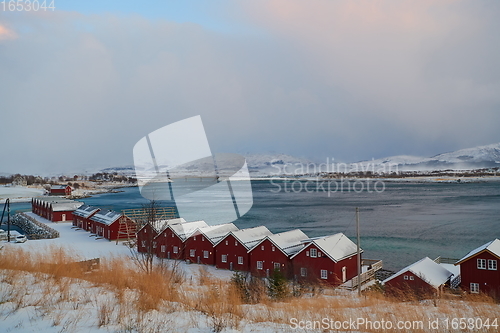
x=464 y=159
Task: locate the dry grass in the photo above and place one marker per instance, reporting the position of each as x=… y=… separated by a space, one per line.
x=133 y=298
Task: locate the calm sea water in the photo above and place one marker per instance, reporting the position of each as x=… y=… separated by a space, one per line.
x=400 y=225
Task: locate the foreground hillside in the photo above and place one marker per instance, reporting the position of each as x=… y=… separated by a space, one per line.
x=46 y=293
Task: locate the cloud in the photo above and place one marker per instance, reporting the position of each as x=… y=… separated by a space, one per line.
x=350 y=80
x=6 y=34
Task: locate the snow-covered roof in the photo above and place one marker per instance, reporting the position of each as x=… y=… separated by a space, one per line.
x=493 y=247
x=85 y=211
x=289 y=242
x=251 y=236
x=66 y=206
x=183 y=230
x=214 y=233
x=106 y=216
x=53 y=199
x=337 y=246
x=428 y=270
x=58 y=187
x=161 y=225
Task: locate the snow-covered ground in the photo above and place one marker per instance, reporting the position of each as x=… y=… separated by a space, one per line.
x=19 y=193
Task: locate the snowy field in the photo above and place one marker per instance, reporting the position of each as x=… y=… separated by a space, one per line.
x=19 y=193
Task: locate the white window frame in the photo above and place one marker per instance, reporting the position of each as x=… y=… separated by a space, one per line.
x=205 y=254
x=192 y=253
x=260 y=265
x=481 y=263
x=303 y=271
x=474 y=288
x=227 y=243
x=492 y=264
x=405 y=277
x=240 y=260
x=262 y=247
x=162 y=248
x=175 y=249
x=272 y=248
x=324 y=274
x=194 y=237
x=412 y=277
x=223 y=258
x=154 y=245
x=277 y=266
x=313 y=253
x=235 y=243
x=307 y=253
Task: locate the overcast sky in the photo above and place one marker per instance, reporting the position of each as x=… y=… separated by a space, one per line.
x=350 y=80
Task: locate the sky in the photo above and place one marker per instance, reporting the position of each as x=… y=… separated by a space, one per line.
x=349 y=80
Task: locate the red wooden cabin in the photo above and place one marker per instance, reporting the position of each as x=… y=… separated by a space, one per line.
x=479 y=270
x=81 y=216
x=60 y=190
x=200 y=244
x=170 y=242
x=331 y=259
x=55 y=209
x=273 y=253
x=422 y=278
x=112 y=225
x=147 y=233
x=232 y=251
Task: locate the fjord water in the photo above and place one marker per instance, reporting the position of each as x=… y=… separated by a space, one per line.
x=400 y=225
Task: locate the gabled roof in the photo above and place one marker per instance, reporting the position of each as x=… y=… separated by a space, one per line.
x=85 y=211
x=289 y=242
x=58 y=187
x=62 y=206
x=183 y=230
x=160 y=225
x=337 y=247
x=251 y=236
x=428 y=270
x=493 y=247
x=214 y=233
x=106 y=216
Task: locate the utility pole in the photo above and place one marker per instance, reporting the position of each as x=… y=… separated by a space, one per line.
x=359 y=250
x=7 y=205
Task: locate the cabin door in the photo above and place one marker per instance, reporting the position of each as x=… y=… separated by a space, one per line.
x=230 y=266
x=198 y=260
x=63 y=217
x=344 y=274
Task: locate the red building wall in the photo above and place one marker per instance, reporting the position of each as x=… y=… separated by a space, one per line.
x=145 y=238
x=269 y=254
x=197 y=245
x=233 y=249
x=314 y=266
x=416 y=286
x=167 y=242
x=489 y=280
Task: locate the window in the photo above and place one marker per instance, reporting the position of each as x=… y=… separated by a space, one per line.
x=235 y=243
x=474 y=288
x=205 y=254
x=314 y=253
x=405 y=277
x=272 y=248
x=223 y=258
x=176 y=249
x=303 y=271
x=259 y=265
x=172 y=235
x=324 y=274
x=192 y=253
x=277 y=266
x=202 y=238
x=154 y=245
x=492 y=265
x=319 y=254
x=194 y=238
x=143 y=243
x=412 y=277
x=262 y=247
x=240 y=260
x=307 y=253
x=227 y=243
x=162 y=248
x=481 y=263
